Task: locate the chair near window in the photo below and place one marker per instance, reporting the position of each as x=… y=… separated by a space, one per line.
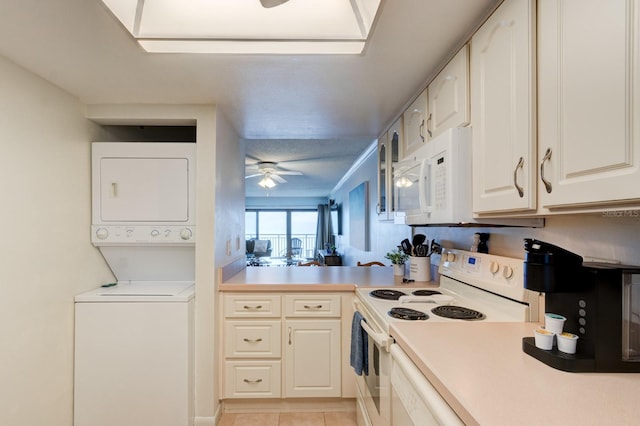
x=310 y=263
x=296 y=247
x=374 y=263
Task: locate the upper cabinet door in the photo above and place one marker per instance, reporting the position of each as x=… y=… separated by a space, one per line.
x=503 y=110
x=449 y=96
x=589 y=102
x=415 y=131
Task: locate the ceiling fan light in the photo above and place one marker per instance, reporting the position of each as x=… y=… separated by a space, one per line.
x=403 y=182
x=266 y=182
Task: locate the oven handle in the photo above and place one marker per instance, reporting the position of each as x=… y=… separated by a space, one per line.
x=380 y=338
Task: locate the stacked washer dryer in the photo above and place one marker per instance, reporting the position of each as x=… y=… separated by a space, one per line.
x=134 y=338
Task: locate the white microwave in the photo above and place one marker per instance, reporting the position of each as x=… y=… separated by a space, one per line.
x=434 y=183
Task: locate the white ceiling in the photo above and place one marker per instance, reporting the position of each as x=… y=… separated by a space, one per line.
x=331 y=106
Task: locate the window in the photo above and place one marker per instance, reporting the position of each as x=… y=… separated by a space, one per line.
x=280 y=227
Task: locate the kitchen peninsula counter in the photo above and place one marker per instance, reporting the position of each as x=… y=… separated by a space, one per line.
x=315 y=278
x=482 y=372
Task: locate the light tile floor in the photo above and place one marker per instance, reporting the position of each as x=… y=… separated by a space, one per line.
x=289 y=419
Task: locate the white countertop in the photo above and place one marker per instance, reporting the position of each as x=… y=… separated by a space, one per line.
x=314 y=278
x=482 y=372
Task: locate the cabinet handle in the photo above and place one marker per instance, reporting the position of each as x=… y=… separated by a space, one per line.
x=421 y=130
x=289 y=335
x=252 y=308
x=252 y=340
x=515 y=177
x=253 y=381
x=313 y=307
x=429 y=126
x=114 y=189
x=378 y=209
x=547 y=184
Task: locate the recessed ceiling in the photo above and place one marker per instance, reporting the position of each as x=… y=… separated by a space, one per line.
x=80 y=47
x=245 y=26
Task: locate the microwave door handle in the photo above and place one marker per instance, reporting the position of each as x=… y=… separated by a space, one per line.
x=425 y=187
x=380 y=338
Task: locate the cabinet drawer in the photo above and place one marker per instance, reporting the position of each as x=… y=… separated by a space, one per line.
x=252 y=379
x=257 y=339
x=316 y=305
x=252 y=306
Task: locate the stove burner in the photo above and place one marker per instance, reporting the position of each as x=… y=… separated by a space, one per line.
x=387 y=294
x=407 y=314
x=457 y=312
x=425 y=292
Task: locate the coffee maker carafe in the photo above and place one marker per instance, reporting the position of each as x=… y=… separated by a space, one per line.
x=601 y=303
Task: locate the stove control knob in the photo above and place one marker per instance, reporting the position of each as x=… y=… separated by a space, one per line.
x=155 y=233
x=451 y=257
x=494 y=267
x=507 y=271
x=102 y=233
x=186 y=234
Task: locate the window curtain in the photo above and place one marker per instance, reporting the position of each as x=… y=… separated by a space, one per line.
x=324 y=233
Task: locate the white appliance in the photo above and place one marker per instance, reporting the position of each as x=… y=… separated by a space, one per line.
x=134 y=339
x=143 y=191
x=434 y=184
x=474 y=286
x=134 y=357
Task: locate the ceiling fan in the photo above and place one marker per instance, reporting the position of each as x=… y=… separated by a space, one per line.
x=272 y=3
x=270 y=174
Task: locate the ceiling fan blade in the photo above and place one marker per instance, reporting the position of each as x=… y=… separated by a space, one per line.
x=272 y=3
x=284 y=172
x=254 y=175
x=278 y=179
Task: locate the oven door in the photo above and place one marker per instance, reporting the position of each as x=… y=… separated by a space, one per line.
x=374 y=387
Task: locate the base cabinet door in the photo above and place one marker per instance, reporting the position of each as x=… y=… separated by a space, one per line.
x=312 y=358
x=589 y=102
x=503 y=110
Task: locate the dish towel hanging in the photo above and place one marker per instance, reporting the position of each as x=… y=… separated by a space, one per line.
x=359 y=350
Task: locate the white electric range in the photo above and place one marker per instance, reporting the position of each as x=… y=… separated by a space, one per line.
x=473 y=287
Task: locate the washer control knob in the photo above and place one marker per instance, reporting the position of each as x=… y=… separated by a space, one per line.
x=186 y=234
x=494 y=267
x=507 y=271
x=102 y=233
x=155 y=232
x=451 y=257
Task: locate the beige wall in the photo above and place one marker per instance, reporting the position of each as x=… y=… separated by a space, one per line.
x=45 y=252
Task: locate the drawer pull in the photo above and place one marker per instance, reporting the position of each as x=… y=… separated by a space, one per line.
x=252 y=340
x=252 y=381
x=252 y=308
x=313 y=307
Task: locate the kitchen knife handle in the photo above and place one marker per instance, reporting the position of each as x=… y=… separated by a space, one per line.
x=547 y=184
x=520 y=165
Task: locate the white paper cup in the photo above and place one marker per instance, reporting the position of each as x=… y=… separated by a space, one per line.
x=554 y=323
x=544 y=339
x=567 y=342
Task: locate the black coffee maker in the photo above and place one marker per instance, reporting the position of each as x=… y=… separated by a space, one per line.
x=601 y=302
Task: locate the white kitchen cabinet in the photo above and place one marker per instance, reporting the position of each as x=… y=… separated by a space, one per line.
x=449 y=96
x=589 y=102
x=414 y=118
x=282 y=345
x=388 y=156
x=312 y=358
x=503 y=110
